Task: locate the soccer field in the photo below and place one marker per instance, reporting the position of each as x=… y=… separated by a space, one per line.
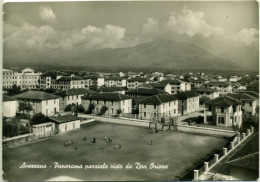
x=178 y=150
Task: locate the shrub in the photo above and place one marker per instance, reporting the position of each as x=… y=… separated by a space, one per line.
x=103 y=110
x=67 y=108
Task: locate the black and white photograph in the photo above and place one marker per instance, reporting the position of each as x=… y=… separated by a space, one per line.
x=130 y=91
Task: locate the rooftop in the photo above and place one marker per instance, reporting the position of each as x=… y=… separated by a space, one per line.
x=158 y=99
x=172 y=82
x=68 y=78
x=203 y=89
x=36 y=95
x=242 y=96
x=8 y=98
x=64 y=118
x=74 y=91
x=148 y=91
x=111 y=89
x=138 y=79
x=217 y=83
x=223 y=101
x=107 y=96
x=186 y=95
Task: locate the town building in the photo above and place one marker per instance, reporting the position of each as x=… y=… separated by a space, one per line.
x=114 y=102
x=249 y=103
x=143 y=92
x=72 y=96
x=41 y=102
x=115 y=82
x=65 y=123
x=237 y=86
x=158 y=106
x=120 y=90
x=176 y=85
x=94 y=81
x=26 y=79
x=68 y=82
x=222 y=87
x=206 y=92
x=253 y=86
x=199 y=82
x=134 y=82
x=49 y=78
x=10 y=106
x=188 y=102
x=223 y=111
x=166 y=87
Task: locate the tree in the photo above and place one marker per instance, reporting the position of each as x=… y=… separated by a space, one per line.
x=67 y=108
x=90 y=108
x=10 y=129
x=103 y=110
x=80 y=109
x=39 y=118
x=25 y=106
x=118 y=111
x=14 y=90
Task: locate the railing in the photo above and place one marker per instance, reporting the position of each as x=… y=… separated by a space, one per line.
x=198 y=174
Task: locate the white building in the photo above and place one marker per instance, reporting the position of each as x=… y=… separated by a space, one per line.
x=94 y=81
x=9 y=106
x=27 y=79
x=135 y=82
x=113 y=102
x=72 y=96
x=222 y=87
x=177 y=86
x=41 y=102
x=115 y=82
x=163 y=86
x=223 y=111
x=158 y=106
x=43 y=130
x=65 y=123
x=68 y=82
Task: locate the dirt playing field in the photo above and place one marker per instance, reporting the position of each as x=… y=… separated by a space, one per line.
x=177 y=150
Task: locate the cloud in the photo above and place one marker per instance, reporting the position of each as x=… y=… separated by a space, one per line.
x=47 y=14
x=246 y=36
x=191 y=23
x=45 y=37
x=151 y=26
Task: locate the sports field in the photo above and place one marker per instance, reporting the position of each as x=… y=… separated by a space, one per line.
x=178 y=150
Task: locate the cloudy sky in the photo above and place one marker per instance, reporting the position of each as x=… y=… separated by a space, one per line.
x=227 y=29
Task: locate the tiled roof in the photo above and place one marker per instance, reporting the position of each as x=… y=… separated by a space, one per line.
x=250 y=161
x=138 y=79
x=252 y=93
x=158 y=99
x=203 y=89
x=115 y=78
x=107 y=96
x=64 y=118
x=159 y=85
x=200 y=80
x=69 y=78
x=111 y=89
x=186 y=95
x=8 y=98
x=223 y=101
x=36 y=95
x=74 y=91
x=92 y=77
x=242 y=96
x=217 y=83
x=145 y=91
x=171 y=82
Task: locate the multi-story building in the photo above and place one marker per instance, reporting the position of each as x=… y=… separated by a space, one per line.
x=41 y=102
x=72 y=96
x=112 y=101
x=176 y=85
x=27 y=79
x=188 y=102
x=92 y=81
x=158 y=106
x=206 y=92
x=222 y=87
x=223 y=111
x=249 y=103
x=135 y=82
x=115 y=82
x=49 y=78
x=120 y=90
x=199 y=82
x=68 y=82
x=166 y=87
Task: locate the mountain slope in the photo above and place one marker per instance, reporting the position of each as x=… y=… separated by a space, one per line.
x=161 y=54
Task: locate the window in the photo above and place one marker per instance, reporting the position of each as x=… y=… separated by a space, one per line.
x=46 y=112
x=68 y=97
x=54 y=101
x=144 y=106
x=169 y=104
x=112 y=103
x=112 y=111
x=174 y=111
x=144 y=114
x=221 y=120
x=210 y=108
x=250 y=104
x=154 y=106
x=222 y=109
x=234 y=109
x=46 y=102
x=105 y=102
